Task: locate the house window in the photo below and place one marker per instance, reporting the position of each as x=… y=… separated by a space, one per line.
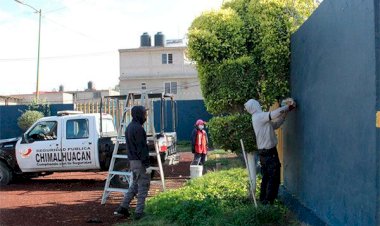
x=97 y=95
x=167 y=58
x=170 y=87
x=143 y=86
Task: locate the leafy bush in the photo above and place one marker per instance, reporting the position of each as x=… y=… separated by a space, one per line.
x=218 y=198
x=202 y=198
x=28 y=118
x=227 y=131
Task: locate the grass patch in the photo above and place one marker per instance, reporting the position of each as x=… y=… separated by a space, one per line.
x=183 y=146
x=227 y=159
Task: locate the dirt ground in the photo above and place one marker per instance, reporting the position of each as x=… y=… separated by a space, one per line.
x=73 y=198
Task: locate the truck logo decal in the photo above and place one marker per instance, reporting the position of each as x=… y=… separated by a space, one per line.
x=26 y=153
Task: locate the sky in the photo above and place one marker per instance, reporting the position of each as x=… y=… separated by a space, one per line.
x=80 y=39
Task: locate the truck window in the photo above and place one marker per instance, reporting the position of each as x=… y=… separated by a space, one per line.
x=77 y=129
x=46 y=130
x=108 y=126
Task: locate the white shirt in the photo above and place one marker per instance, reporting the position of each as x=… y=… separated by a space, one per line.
x=264 y=123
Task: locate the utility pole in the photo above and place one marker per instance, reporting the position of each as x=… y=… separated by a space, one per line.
x=39 y=44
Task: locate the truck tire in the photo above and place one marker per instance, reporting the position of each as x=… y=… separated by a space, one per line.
x=119 y=181
x=5 y=174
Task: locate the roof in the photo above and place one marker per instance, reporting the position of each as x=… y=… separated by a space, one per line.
x=137 y=96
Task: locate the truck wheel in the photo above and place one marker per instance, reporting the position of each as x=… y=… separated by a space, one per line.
x=120 y=181
x=5 y=174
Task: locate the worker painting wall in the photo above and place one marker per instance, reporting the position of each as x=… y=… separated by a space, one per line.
x=331 y=142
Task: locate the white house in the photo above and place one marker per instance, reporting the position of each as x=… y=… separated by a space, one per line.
x=159 y=68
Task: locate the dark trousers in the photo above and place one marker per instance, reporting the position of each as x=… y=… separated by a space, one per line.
x=271 y=171
x=139 y=187
x=199 y=159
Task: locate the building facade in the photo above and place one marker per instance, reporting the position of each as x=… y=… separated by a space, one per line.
x=66 y=97
x=46 y=97
x=7 y=100
x=159 y=68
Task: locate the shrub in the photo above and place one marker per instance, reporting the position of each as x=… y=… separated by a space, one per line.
x=203 y=198
x=227 y=131
x=28 y=118
x=218 y=198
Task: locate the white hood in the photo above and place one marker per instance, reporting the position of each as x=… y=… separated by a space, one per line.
x=253 y=106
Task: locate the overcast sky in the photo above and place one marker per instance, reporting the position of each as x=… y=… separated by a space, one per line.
x=80 y=38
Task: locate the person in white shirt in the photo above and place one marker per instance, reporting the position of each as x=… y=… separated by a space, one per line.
x=264 y=124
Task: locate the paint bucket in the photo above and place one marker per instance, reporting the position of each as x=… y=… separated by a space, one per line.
x=196 y=171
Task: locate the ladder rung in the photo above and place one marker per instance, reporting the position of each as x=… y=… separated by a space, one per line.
x=117 y=189
x=152 y=154
x=122 y=140
x=124 y=173
x=120 y=156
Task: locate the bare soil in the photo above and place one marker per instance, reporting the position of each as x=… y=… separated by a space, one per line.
x=73 y=198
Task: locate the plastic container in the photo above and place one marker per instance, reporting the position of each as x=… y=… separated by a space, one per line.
x=196 y=171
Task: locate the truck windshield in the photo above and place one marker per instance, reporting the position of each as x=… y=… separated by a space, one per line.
x=46 y=130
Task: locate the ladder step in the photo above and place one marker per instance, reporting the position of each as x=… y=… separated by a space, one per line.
x=152 y=154
x=120 y=156
x=121 y=140
x=117 y=189
x=124 y=173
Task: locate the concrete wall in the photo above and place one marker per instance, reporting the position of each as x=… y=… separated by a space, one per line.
x=331 y=143
x=188 y=111
x=10 y=114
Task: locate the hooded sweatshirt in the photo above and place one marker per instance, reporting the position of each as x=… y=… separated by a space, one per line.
x=264 y=123
x=135 y=137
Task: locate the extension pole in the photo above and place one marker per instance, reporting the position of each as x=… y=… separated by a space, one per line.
x=252 y=188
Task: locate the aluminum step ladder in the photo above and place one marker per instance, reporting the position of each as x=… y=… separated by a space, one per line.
x=128 y=175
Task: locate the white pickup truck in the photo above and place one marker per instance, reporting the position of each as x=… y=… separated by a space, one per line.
x=69 y=142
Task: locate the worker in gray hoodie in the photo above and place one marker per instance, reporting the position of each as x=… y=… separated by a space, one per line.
x=264 y=124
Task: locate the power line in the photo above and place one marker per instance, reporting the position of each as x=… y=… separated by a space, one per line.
x=70 y=29
x=58 y=57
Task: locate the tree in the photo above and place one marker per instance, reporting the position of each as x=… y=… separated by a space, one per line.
x=242 y=51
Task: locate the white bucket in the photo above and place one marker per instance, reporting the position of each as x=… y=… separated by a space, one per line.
x=196 y=171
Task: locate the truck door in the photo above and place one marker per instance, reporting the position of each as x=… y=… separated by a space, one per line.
x=40 y=148
x=78 y=146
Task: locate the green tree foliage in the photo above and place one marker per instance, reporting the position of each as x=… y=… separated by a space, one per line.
x=35 y=111
x=41 y=106
x=28 y=118
x=242 y=51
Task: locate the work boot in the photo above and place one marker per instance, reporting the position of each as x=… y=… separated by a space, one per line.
x=138 y=216
x=121 y=211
